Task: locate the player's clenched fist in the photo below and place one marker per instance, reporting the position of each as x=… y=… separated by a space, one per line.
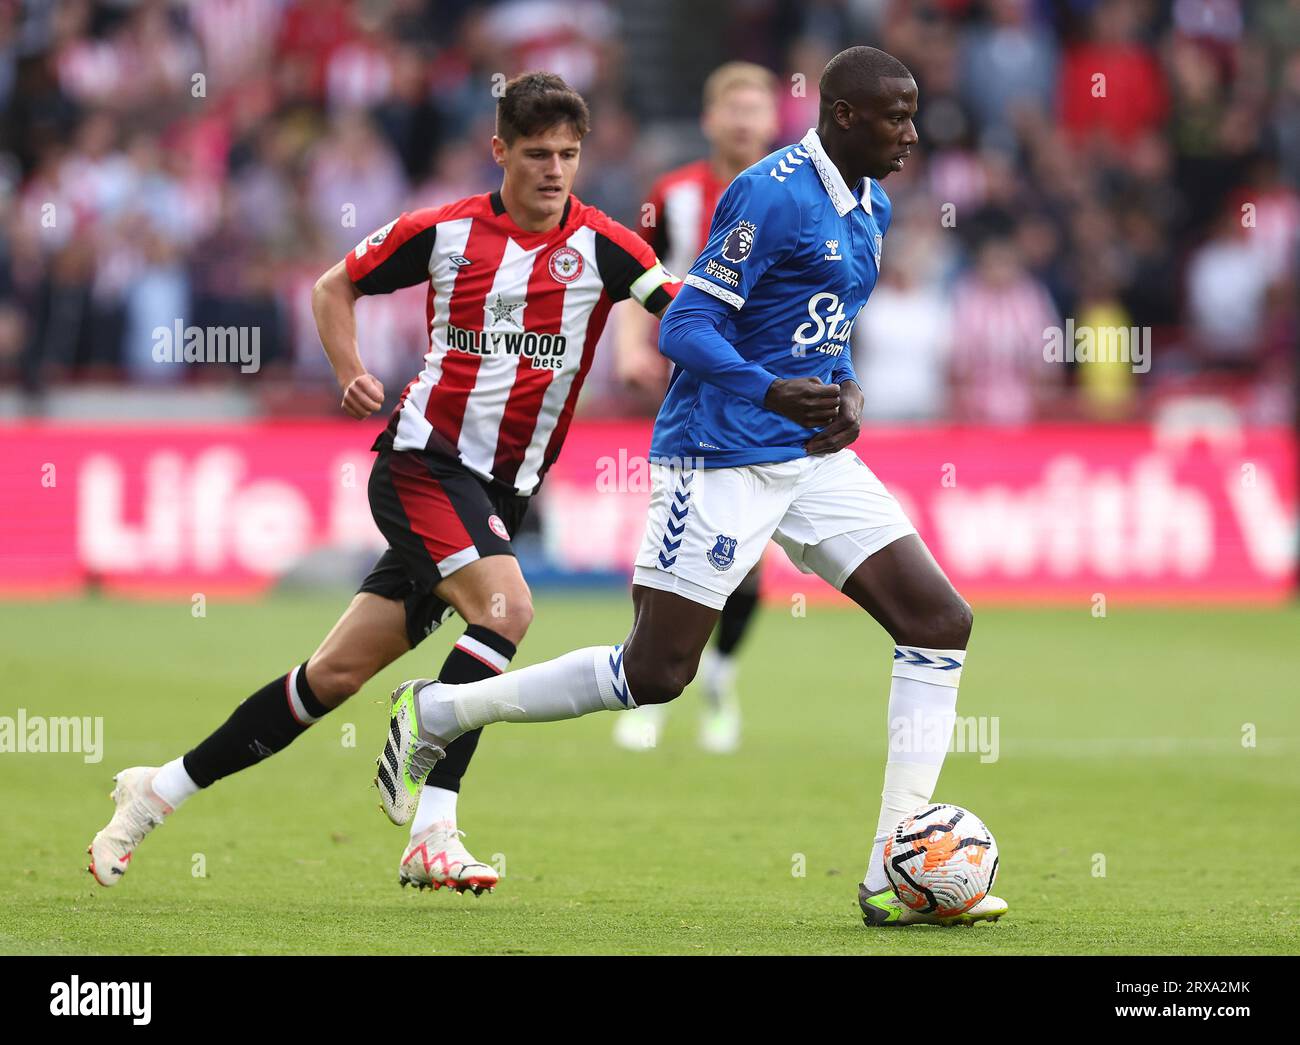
x=843 y=431
x=804 y=400
x=642 y=369
x=363 y=396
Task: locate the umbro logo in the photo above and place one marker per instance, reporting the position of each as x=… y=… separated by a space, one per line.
x=459 y=260
x=832 y=251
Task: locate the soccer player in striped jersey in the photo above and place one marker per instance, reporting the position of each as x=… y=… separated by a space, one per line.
x=739 y=120
x=752 y=443
x=520 y=282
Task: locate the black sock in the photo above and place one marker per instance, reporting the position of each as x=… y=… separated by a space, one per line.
x=480 y=654
x=268 y=721
x=737 y=612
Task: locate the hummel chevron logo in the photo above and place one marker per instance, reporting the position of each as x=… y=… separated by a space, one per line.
x=676 y=526
x=913 y=656
x=789 y=162
x=616 y=666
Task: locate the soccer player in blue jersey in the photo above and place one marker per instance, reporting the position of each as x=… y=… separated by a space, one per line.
x=752 y=443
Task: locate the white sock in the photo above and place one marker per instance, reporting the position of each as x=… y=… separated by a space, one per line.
x=172 y=784
x=570 y=686
x=436 y=803
x=652 y=713
x=718 y=673
x=922 y=708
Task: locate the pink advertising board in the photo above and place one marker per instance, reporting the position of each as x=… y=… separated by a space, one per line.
x=1051 y=513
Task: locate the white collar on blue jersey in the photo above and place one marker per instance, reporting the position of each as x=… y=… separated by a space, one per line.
x=833 y=181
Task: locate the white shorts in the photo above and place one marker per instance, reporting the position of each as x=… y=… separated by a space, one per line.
x=707 y=527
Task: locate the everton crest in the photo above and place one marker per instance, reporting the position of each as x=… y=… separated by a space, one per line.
x=723 y=553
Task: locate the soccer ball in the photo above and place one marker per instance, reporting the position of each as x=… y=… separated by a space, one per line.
x=941 y=860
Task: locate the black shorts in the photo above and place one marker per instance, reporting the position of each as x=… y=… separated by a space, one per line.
x=437 y=516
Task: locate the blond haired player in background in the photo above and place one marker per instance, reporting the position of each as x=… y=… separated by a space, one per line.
x=739 y=120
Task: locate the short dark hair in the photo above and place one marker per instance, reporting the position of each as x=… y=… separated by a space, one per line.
x=855 y=74
x=535 y=102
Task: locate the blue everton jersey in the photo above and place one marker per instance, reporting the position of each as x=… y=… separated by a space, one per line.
x=792 y=255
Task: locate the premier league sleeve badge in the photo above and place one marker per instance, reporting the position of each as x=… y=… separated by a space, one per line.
x=739 y=242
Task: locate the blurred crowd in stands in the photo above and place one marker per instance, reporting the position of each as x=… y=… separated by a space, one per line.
x=1117 y=163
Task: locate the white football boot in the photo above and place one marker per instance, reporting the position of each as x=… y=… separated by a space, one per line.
x=720 y=729
x=884 y=908
x=640 y=728
x=139 y=811
x=407 y=757
x=438 y=857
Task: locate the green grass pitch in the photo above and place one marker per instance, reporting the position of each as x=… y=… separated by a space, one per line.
x=1120 y=750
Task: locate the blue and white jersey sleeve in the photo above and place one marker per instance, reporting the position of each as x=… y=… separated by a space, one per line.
x=752 y=230
x=792 y=256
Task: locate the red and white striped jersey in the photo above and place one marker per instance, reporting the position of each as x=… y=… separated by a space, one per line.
x=682 y=203
x=513 y=321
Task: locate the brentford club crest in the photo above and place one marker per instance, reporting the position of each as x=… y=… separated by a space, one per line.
x=498 y=527
x=566 y=265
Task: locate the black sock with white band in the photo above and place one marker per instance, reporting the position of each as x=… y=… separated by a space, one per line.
x=268 y=721
x=479 y=654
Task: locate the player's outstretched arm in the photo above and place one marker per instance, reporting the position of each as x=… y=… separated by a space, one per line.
x=637 y=364
x=689 y=336
x=334 y=305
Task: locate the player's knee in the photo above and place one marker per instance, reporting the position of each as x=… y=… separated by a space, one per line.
x=963 y=619
x=514 y=626
x=949 y=626
x=943 y=626
x=509 y=615
x=334 y=681
x=656 y=680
